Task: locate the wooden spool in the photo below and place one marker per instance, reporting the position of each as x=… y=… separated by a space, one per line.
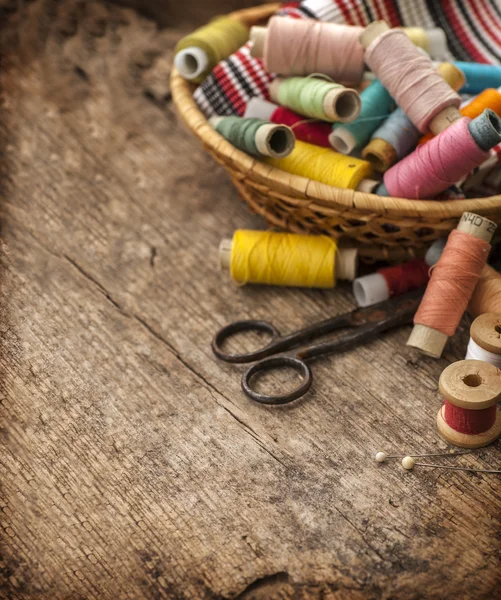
x=471 y=385
x=485 y=331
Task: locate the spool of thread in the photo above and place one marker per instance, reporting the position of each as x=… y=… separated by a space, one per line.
x=326 y=166
x=489 y=98
x=485 y=339
x=433 y=41
x=255 y=136
x=469 y=417
x=307 y=130
x=317 y=98
x=398 y=136
x=303 y=46
x=479 y=77
x=286 y=259
x=377 y=104
x=390 y=281
x=452 y=282
x=408 y=75
x=444 y=160
x=487 y=295
x=199 y=52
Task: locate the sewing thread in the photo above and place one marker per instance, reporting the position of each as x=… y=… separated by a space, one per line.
x=479 y=76
x=377 y=104
x=487 y=295
x=317 y=98
x=439 y=164
x=199 y=52
x=485 y=339
x=283 y=259
x=489 y=98
x=323 y=165
x=302 y=47
x=452 y=282
x=409 y=77
x=255 y=136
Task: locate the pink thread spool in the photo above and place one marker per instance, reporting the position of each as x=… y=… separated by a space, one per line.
x=452 y=284
x=303 y=46
x=409 y=76
x=445 y=159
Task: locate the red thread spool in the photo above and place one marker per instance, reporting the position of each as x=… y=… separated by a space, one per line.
x=391 y=281
x=469 y=417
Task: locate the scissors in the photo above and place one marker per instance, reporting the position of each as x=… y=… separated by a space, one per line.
x=363 y=324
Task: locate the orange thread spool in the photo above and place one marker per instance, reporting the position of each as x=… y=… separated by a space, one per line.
x=452 y=283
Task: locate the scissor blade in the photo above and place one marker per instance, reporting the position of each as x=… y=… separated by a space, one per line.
x=369 y=322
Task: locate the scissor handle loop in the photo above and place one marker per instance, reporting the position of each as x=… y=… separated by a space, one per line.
x=238 y=327
x=272 y=363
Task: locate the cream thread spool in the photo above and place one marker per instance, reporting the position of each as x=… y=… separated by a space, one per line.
x=340 y=105
x=470 y=385
x=446 y=116
x=431 y=341
x=485 y=339
x=346 y=260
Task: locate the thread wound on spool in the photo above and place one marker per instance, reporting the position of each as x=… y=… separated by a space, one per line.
x=217 y=40
x=317 y=98
x=323 y=165
x=487 y=99
x=469 y=415
x=452 y=282
x=409 y=77
x=479 y=76
x=437 y=165
x=485 y=339
x=304 y=46
x=393 y=140
x=377 y=104
x=255 y=136
x=487 y=294
x=283 y=259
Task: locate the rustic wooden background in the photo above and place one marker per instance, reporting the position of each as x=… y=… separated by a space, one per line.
x=132 y=466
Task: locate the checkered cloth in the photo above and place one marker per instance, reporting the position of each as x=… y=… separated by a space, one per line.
x=472 y=28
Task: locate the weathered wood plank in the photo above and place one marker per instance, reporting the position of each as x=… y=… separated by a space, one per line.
x=133 y=466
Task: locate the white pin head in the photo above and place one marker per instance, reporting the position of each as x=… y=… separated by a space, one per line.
x=381 y=457
x=408 y=463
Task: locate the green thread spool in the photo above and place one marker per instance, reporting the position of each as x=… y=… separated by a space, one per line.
x=199 y=52
x=255 y=136
x=317 y=98
x=377 y=104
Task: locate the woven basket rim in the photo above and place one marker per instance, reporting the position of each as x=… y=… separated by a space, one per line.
x=319 y=195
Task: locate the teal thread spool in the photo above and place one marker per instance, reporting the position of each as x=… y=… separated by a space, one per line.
x=317 y=98
x=255 y=136
x=377 y=104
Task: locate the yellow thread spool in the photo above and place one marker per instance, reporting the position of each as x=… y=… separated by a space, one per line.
x=287 y=259
x=199 y=52
x=326 y=166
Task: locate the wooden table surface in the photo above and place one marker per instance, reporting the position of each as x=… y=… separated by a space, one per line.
x=132 y=464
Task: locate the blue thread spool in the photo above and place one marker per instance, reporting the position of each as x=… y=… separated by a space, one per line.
x=393 y=140
x=479 y=77
x=377 y=104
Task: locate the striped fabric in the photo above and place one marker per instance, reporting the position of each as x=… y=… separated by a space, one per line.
x=473 y=29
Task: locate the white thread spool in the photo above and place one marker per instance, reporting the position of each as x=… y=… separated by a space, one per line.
x=260 y=109
x=485 y=339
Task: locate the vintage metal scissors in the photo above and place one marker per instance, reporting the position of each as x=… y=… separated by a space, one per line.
x=365 y=324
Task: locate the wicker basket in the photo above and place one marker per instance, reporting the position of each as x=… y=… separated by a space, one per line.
x=382 y=228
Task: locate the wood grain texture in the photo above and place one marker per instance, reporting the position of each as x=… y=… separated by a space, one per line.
x=132 y=465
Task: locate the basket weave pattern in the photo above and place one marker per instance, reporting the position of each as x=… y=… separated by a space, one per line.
x=393 y=228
